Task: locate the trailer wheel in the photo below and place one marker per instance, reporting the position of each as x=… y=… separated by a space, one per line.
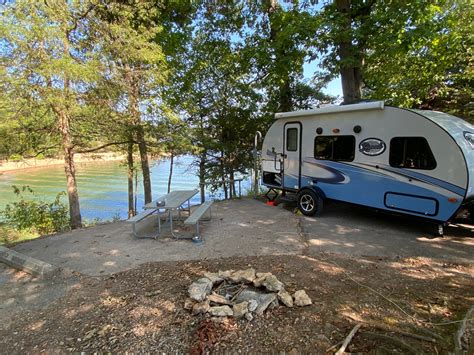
x=309 y=202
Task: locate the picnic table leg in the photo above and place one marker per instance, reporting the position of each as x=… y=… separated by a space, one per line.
x=170 y=217
x=159 y=223
x=197 y=238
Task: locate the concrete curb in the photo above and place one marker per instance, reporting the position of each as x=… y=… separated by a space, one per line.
x=25 y=263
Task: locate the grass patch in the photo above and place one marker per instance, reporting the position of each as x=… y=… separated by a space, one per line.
x=9 y=236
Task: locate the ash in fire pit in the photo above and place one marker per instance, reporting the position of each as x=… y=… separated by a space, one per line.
x=240 y=294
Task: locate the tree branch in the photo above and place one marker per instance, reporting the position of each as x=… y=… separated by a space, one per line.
x=101 y=147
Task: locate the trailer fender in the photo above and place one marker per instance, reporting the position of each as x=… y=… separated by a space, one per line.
x=316 y=189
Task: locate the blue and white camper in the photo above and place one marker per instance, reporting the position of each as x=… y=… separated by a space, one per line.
x=414 y=162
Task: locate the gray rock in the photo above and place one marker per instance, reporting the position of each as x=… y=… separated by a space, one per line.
x=246 y=276
x=272 y=284
x=260 y=277
x=252 y=305
x=221 y=311
x=263 y=299
x=240 y=309
x=214 y=277
x=248 y=316
x=200 y=289
x=302 y=299
x=274 y=303
x=285 y=298
x=201 y=308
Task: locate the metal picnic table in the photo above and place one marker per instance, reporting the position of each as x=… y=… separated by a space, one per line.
x=172 y=202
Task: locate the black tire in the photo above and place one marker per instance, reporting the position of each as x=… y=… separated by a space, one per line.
x=309 y=202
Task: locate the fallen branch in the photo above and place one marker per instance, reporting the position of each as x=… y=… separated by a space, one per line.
x=331 y=348
x=461 y=330
x=410 y=335
x=348 y=339
x=394 y=340
x=428 y=332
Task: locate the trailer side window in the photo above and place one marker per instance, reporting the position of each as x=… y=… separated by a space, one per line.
x=292 y=139
x=339 y=148
x=411 y=153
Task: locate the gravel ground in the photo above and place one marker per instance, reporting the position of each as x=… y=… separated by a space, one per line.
x=400 y=303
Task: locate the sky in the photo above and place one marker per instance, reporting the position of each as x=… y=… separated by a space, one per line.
x=334 y=86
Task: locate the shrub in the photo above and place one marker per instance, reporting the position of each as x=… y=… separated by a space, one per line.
x=35 y=215
x=15 y=157
x=8 y=235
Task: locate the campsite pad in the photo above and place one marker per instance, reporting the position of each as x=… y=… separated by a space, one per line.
x=132 y=292
x=248 y=227
x=142 y=309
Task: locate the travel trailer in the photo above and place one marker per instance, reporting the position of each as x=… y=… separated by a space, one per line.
x=414 y=162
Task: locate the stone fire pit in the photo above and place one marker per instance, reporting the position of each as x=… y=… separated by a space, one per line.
x=240 y=294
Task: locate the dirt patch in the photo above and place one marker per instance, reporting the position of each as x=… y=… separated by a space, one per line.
x=142 y=309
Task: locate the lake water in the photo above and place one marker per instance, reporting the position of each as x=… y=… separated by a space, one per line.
x=103 y=185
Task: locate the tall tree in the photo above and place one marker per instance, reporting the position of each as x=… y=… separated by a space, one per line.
x=412 y=53
x=344 y=31
x=278 y=40
x=136 y=64
x=49 y=69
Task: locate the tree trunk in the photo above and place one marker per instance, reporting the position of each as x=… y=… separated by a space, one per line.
x=223 y=175
x=232 y=183
x=136 y=192
x=133 y=97
x=64 y=124
x=202 y=176
x=171 y=171
x=131 y=206
x=144 y=163
x=284 y=91
x=70 y=170
x=350 y=57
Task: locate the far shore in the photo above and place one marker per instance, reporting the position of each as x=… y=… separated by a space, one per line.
x=28 y=164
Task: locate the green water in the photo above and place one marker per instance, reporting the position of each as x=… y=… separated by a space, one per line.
x=102 y=186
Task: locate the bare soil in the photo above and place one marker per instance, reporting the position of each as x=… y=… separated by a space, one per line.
x=402 y=305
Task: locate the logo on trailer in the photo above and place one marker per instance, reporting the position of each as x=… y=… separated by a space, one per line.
x=469 y=137
x=372 y=146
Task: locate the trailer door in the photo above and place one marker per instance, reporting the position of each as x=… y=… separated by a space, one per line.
x=292 y=155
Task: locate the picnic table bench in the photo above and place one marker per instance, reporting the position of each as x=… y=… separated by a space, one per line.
x=137 y=218
x=197 y=215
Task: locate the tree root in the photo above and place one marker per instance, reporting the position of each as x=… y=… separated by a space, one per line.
x=394 y=340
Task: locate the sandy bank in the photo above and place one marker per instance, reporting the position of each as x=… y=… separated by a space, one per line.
x=42 y=163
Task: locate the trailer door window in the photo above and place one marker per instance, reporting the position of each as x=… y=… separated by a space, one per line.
x=338 y=148
x=292 y=139
x=411 y=153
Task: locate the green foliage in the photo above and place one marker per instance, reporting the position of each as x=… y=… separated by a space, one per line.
x=10 y=235
x=15 y=157
x=415 y=54
x=430 y=65
x=30 y=214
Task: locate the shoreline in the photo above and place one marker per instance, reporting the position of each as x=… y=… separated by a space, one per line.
x=30 y=164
